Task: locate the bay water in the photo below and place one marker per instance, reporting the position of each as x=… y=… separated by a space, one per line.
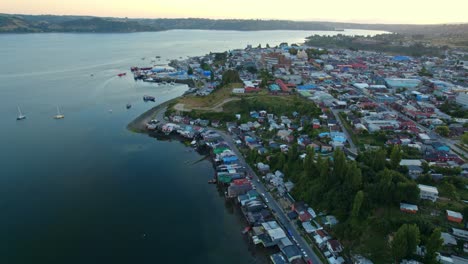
x=85 y=189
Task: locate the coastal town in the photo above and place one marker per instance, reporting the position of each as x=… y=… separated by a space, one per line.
x=332 y=155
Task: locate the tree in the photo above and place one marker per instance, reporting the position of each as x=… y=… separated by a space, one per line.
x=443 y=130
x=464 y=138
x=231 y=76
x=433 y=245
x=353 y=178
x=252 y=69
x=309 y=164
x=190 y=71
x=339 y=165
x=405 y=241
x=357 y=203
x=425 y=72
x=379 y=160
x=267 y=46
x=293 y=51
x=395 y=157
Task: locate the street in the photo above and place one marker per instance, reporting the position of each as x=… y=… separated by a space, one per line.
x=272 y=204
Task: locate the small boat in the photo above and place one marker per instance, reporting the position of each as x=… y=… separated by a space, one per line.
x=149 y=98
x=212 y=181
x=246 y=229
x=122 y=74
x=59 y=115
x=128 y=106
x=20 y=115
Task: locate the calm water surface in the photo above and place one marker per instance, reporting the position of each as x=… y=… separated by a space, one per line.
x=86 y=190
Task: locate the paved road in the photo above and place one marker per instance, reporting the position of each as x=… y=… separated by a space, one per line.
x=348 y=136
x=280 y=214
x=272 y=203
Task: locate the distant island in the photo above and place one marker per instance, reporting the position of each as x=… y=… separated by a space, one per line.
x=18 y=23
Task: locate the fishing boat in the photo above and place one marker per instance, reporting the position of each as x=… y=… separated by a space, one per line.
x=212 y=181
x=149 y=98
x=128 y=106
x=59 y=115
x=20 y=115
x=122 y=74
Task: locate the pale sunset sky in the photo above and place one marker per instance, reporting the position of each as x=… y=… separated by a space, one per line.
x=364 y=11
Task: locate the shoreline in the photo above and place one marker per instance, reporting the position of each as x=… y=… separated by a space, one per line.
x=138 y=125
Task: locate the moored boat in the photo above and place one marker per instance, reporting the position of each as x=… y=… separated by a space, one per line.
x=149 y=98
x=128 y=106
x=20 y=115
x=59 y=115
x=122 y=74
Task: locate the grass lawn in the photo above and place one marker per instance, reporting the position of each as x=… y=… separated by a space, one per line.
x=217 y=97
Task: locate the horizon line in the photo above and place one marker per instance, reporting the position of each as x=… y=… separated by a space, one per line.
x=260 y=19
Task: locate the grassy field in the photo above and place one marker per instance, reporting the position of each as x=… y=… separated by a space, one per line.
x=209 y=101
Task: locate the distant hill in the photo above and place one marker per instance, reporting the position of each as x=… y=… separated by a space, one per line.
x=30 y=24
x=50 y=23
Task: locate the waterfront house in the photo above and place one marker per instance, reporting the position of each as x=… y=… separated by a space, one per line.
x=304 y=216
x=334 y=246
x=321 y=237
x=278 y=258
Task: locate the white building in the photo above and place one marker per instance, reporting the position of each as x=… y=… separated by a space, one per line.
x=238 y=90
x=428 y=192
x=462 y=99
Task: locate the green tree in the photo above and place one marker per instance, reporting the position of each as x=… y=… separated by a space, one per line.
x=443 y=130
x=379 y=160
x=357 y=203
x=339 y=165
x=353 y=178
x=190 y=71
x=309 y=164
x=464 y=138
x=293 y=51
x=406 y=240
x=433 y=245
x=230 y=76
x=395 y=157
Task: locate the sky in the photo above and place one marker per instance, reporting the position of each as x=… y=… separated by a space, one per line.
x=360 y=11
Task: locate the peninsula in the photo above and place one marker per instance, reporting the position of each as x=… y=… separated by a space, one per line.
x=333 y=154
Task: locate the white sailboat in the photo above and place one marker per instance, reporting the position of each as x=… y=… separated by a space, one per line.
x=20 y=115
x=59 y=115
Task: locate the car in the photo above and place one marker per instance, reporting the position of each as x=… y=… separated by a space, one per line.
x=263 y=194
x=309 y=261
x=258 y=180
x=266 y=200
